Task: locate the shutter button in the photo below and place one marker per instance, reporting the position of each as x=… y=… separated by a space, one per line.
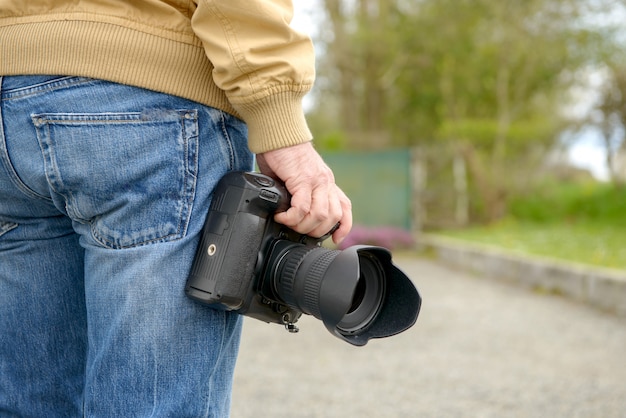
x=264 y=181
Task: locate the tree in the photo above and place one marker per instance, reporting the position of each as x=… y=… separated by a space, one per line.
x=501 y=75
x=353 y=71
x=611 y=119
x=487 y=76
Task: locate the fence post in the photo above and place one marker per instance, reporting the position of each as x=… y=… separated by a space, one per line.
x=418 y=176
x=460 y=187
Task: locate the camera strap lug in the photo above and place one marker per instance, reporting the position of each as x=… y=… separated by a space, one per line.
x=291 y=327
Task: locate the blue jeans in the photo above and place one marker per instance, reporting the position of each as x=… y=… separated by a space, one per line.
x=104 y=189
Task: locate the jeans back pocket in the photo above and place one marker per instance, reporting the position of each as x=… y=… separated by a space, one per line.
x=130 y=176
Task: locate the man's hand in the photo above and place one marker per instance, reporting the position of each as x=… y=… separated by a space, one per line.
x=317 y=203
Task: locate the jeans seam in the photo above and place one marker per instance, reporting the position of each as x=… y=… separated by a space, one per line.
x=6 y=227
x=223 y=333
x=47 y=87
x=231 y=152
x=190 y=139
x=5 y=159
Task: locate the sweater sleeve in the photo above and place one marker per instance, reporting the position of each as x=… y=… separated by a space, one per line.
x=262 y=64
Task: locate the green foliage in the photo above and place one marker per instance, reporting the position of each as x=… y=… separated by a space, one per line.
x=581 y=222
x=600 y=244
x=483 y=131
x=331 y=141
x=491 y=59
x=588 y=202
x=487 y=79
x=411 y=67
x=420 y=71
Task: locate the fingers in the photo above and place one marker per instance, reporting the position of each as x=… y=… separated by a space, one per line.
x=316 y=209
x=317 y=203
x=346 y=220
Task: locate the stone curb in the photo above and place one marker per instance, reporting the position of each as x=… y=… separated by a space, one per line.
x=602 y=288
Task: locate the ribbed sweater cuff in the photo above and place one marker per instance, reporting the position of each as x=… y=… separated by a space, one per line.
x=275 y=121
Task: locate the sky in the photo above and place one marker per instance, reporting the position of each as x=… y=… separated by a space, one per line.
x=304 y=11
x=586 y=153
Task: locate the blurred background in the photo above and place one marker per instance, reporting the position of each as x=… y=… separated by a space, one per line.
x=452 y=124
x=493 y=121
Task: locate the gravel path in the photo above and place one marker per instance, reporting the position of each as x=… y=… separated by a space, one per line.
x=480 y=348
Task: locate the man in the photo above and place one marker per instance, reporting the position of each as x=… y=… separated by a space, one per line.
x=117 y=120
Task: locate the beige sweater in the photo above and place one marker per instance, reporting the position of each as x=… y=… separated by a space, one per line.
x=240 y=56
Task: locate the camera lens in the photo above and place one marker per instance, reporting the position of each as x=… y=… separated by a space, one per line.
x=368 y=296
x=345 y=289
x=299 y=273
x=359 y=295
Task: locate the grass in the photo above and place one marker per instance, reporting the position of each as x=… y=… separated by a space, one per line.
x=588 y=243
x=585 y=223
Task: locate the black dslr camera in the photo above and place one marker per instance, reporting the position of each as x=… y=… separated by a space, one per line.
x=248 y=263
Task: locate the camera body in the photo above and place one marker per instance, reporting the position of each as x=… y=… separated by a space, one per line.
x=239 y=235
x=248 y=263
